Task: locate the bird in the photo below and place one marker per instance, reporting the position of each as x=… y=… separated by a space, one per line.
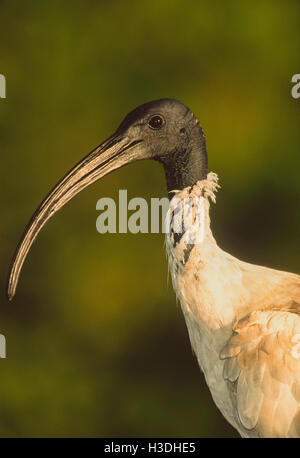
x=243 y=320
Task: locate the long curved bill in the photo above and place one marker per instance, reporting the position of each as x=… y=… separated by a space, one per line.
x=114 y=153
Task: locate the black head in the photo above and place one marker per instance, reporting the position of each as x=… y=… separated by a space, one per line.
x=170 y=134
x=164 y=130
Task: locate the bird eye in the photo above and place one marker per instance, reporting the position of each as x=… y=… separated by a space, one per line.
x=156 y=122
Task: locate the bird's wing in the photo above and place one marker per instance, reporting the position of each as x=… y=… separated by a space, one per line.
x=262 y=369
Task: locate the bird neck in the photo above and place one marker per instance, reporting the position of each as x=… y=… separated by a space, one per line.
x=188 y=164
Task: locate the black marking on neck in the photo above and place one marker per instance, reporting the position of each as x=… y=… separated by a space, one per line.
x=187 y=252
x=177 y=237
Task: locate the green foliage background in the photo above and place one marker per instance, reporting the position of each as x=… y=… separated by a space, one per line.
x=96 y=345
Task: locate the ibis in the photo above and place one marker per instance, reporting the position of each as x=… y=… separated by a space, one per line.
x=243 y=320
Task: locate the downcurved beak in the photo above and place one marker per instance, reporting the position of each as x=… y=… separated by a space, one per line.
x=114 y=153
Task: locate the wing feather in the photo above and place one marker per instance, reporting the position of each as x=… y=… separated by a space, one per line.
x=262 y=369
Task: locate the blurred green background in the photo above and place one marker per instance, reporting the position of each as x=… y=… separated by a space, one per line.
x=96 y=345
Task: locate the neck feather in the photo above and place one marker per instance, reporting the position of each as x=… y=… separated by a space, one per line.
x=191 y=205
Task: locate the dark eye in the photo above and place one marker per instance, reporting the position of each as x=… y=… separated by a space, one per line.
x=156 y=122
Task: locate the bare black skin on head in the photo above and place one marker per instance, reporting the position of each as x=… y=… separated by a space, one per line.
x=177 y=142
x=179 y=145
